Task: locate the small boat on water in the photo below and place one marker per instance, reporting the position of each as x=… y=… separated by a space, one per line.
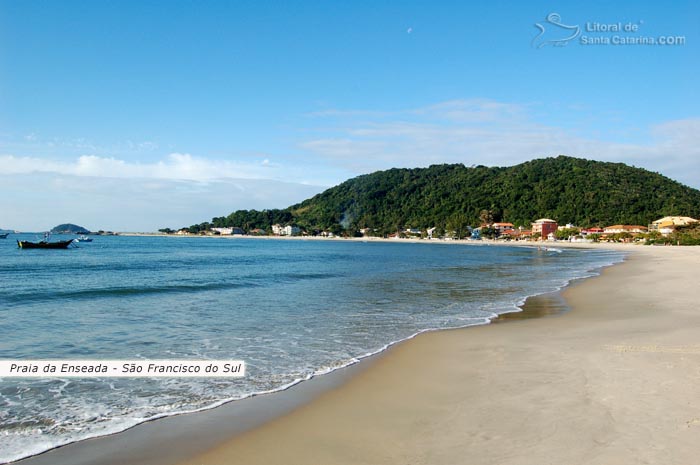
x=44 y=244
x=4 y=235
x=83 y=238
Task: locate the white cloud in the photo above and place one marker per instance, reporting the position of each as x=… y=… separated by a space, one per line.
x=113 y=194
x=175 y=166
x=39 y=201
x=472 y=111
x=497 y=134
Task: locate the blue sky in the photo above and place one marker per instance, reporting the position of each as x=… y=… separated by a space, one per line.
x=139 y=115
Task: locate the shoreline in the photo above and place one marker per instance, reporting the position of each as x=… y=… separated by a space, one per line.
x=258 y=409
x=617 y=246
x=415 y=240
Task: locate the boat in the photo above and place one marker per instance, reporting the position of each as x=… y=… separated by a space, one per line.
x=44 y=244
x=4 y=235
x=84 y=238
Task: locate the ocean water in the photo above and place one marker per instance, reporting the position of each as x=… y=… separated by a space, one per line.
x=289 y=309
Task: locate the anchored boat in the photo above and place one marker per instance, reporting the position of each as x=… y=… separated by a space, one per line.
x=45 y=244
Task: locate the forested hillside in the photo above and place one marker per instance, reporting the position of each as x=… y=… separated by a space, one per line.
x=569 y=190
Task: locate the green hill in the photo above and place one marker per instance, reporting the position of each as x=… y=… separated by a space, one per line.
x=68 y=228
x=569 y=190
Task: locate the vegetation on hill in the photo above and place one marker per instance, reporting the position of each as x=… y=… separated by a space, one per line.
x=68 y=228
x=569 y=190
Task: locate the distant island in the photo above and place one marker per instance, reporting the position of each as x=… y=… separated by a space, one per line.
x=453 y=197
x=69 y=228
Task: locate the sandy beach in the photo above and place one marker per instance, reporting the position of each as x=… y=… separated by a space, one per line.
x=616 y=380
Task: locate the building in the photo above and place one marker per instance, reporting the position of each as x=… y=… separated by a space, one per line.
x=223 y=231
x=625 y=228
x=667 y=224
x=595 y=230
x=516 y=234
x=545 y=227
x=501 y=227
x=290 y=230
x=229 y=231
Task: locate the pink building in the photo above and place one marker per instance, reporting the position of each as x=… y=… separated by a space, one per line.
x=545 y=227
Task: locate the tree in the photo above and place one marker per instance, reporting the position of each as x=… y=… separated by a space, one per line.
x=486 y=217
x=622 y=237
x=457 y=223
x=489 y=233
x=563 y=234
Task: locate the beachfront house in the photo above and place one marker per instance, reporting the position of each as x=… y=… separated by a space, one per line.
x=515 y=234
x=501 y=227
x=667 y=224
x=229 y=231
x=594 y=230
x=290 y=230
x=545 y=227
x=625 y=228
x=223 y=231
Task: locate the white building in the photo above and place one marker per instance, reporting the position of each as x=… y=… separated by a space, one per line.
x=290 y=231
x=223 y=231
